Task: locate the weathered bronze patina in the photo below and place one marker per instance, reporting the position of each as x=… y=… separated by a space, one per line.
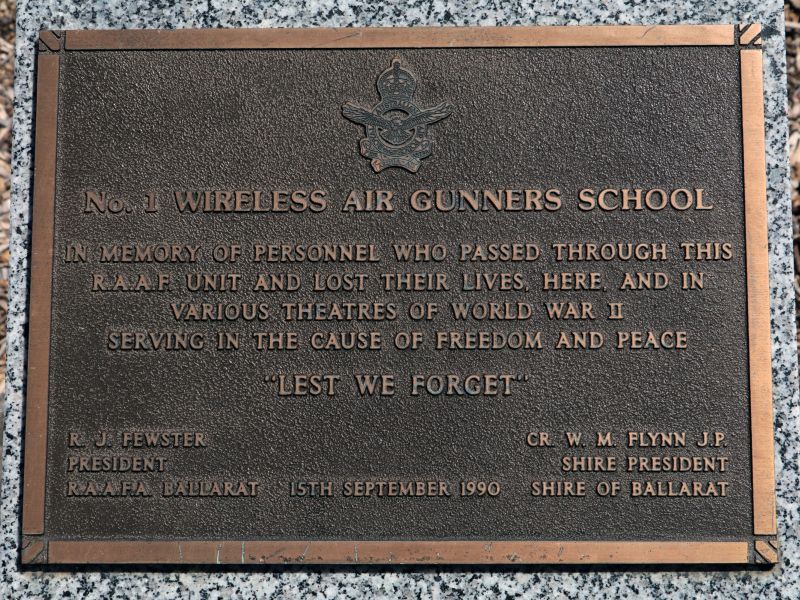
x=457 y=295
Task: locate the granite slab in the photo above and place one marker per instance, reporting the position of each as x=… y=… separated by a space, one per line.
x=298 y=582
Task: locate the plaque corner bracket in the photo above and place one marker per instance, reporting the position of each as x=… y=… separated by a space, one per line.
x=51 y=41
x=748 y=35
x=33 y=550
x=766 y=551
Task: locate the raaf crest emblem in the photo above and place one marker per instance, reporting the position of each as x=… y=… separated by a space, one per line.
x=396 y=128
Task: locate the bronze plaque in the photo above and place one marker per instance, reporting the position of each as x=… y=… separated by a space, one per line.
x=479 y=295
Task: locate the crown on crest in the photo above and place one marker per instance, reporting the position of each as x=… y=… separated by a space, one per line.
x=396 y=82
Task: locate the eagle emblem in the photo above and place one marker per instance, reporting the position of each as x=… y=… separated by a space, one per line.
x=396 y=128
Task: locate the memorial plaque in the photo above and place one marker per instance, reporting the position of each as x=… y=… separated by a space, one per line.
x=480 y=295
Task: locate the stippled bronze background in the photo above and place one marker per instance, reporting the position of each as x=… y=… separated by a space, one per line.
x=132 y=122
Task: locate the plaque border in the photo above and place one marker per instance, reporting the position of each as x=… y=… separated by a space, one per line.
x=762 y=548
x=44 y=190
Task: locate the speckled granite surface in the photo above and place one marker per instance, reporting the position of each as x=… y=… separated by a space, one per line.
x=783 y=581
